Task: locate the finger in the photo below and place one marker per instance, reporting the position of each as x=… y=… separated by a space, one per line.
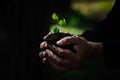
x=40 y=54
x=71 y=40
x=72 y=63
x=43 y=45
x=57 y=67
x=53 y=56
x=65 y=53
x=44 y=38
x=43 y=54
x=44 y=60
x=57 y=60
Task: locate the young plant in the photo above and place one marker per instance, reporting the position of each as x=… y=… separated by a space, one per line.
x=58 y=23
x=57 y=33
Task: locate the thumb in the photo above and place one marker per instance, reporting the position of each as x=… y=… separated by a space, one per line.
x=71 y=40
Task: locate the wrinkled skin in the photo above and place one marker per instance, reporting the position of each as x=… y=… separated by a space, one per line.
x=65 y=59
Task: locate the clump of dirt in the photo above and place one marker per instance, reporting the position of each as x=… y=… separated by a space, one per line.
x=54 y=37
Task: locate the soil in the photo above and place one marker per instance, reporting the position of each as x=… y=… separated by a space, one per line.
x=53 y=38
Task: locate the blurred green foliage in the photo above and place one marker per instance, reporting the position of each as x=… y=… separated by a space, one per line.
x=86 y=14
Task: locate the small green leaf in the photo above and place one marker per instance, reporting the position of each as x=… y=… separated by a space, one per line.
x=54 y=16
x=52 y=28
x=62 y=22
x=56 y=30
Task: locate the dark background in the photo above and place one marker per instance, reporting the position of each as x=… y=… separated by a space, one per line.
x=23 y=23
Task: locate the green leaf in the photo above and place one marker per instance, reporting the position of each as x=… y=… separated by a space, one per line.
x=56 y=30
x=62 y=22
x=55 y=17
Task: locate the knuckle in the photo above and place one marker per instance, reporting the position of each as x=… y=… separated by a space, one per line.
x=66 y=38
x=69 y=37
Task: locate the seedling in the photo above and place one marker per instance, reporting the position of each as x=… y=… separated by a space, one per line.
x=57 y=33
x=58 y=23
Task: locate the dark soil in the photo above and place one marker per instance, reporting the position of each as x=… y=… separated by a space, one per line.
x=53 y=38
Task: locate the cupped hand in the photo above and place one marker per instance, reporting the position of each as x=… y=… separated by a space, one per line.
x=64 y=59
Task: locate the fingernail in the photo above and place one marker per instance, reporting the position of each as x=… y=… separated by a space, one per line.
x=44 y=37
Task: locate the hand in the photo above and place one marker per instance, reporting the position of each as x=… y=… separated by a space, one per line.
x=86 y=49
x=44 y=46
x=65 y=59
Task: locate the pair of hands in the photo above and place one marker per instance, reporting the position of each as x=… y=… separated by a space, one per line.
x=65 y=59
